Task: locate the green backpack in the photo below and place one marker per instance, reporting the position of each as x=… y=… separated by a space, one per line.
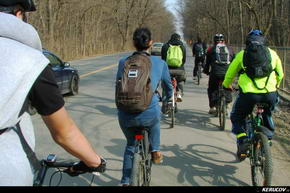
x=174 y=56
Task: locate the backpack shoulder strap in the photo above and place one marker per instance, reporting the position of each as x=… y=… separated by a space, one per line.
x=31 y=156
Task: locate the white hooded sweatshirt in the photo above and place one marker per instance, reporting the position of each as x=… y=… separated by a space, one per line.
x=21 y=62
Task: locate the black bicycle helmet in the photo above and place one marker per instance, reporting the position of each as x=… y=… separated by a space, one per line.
x=218 y=37
x=28 y=5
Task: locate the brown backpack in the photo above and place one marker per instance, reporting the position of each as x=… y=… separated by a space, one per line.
x=133 y=89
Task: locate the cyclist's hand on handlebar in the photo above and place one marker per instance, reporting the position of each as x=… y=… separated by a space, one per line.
x=81 y=167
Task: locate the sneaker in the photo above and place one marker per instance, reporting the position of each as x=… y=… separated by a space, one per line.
x=243 y=148
x=157 y=157
x=194 y=78
x=212 y=111
x=179 y=98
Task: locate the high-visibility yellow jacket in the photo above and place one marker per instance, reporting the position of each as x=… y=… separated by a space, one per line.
x=245 y=82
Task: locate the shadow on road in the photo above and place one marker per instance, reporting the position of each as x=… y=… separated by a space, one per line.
x=197 y=166
x=195 y=119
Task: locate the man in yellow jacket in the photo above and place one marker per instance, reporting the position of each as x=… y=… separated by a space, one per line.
x=252 y=91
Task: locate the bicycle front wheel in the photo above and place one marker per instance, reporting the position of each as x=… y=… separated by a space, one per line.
x=261 y=168
x=222 y=113
x=137 y=175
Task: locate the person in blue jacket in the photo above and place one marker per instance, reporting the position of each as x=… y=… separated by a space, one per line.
x=149 y=118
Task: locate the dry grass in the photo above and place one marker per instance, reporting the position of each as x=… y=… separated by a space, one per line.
x=281 y=118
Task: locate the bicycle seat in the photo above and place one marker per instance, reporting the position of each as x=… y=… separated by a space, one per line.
x=138 y=129
x=262 y=105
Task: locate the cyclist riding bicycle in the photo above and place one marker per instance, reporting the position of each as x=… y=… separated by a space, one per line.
x=199 y=52
x=218 y=59
x=150 y=117
x=253 y=90
x=175 y=51
x=25 y=76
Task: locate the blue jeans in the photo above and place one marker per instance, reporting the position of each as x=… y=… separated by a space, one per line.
x=149 y=119
x=244 y=105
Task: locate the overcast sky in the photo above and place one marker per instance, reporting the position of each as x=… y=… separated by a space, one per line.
x=171 y=5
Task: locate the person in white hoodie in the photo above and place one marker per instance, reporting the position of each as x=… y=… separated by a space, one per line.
x=25 y=76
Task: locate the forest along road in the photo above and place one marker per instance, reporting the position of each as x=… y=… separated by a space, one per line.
x=196 y=152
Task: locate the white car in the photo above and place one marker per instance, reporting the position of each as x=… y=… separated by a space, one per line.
x=156 y=48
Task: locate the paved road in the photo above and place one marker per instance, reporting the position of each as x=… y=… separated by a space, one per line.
x=195 y=152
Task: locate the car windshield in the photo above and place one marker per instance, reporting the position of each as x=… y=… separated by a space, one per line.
x=158 y=44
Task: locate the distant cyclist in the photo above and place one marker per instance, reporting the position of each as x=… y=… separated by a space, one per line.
x=132 y=115
x=25 y=76
x=174 y=53
x=260 y=73
x=218 y=59
x=199 y=50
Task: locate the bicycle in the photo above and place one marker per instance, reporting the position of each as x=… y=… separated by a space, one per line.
x=221 y=107
x=259 y=152
x=141 y=170
x=72 y=168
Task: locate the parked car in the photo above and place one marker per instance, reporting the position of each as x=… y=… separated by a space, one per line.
x=156 y=48
x=67 y=77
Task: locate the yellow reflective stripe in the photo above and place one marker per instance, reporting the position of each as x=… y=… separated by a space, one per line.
x=241 y=135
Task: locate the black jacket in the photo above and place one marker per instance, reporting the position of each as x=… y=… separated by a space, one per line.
x=203 y=45
x=165 y=49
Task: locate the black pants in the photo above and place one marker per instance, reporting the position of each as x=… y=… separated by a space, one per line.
x=180 y=78
x=244 y=105
x=197 y=60
x=212 y=91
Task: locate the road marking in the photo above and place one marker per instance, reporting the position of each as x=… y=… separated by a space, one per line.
x=100 y=70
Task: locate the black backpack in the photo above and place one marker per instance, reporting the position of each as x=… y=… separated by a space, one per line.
x=133 y=89
x=257 y=60
x=199 y=51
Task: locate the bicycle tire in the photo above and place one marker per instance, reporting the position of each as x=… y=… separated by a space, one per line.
x=262 y=161
x=148 y=162
x=222 y=113
x=172 y=114
x=137 y=172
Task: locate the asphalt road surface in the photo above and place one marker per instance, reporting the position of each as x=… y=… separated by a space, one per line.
x=196 y=152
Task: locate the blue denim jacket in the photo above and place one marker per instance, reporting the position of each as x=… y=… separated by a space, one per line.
x=159 y=73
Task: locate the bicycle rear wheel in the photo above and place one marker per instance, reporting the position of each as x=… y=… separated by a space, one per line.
x=261 y=167
x=137 y=175
x=222 y=113
x=198 y=75
x=172 y=114
x=148 y=161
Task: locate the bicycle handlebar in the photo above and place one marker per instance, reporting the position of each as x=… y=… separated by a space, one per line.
x=74 y=168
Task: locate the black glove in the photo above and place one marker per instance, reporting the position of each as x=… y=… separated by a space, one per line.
x=81 y=167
